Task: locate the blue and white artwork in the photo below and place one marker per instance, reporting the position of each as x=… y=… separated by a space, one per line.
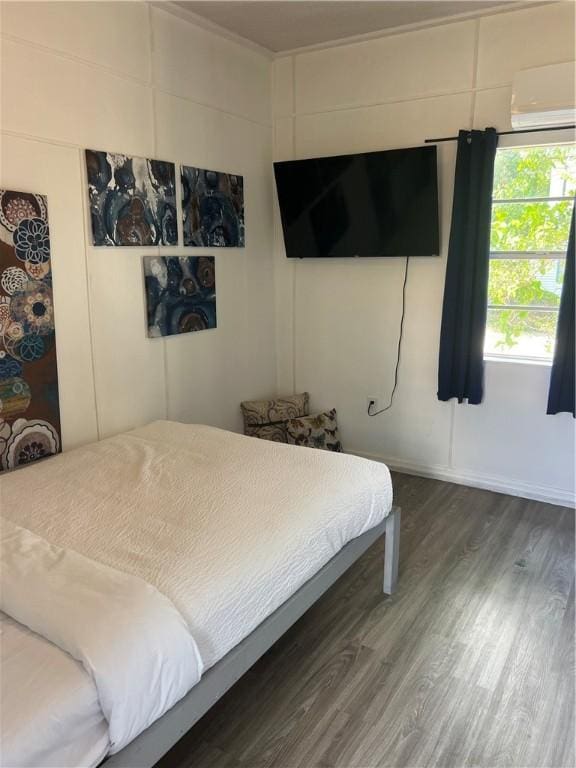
x=212 y=208
x=132 y=200
x=180 y=294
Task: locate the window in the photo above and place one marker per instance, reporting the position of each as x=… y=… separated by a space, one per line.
x=533 y=197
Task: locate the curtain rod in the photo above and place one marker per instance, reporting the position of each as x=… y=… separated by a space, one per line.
x=508 y=133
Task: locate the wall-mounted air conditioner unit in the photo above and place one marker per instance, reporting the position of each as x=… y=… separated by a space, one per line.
x=544 y=97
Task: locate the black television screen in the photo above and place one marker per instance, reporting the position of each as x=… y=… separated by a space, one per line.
x=371 y=204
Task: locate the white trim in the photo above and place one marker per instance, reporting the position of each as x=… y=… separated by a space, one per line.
x=522 y=200
x=413 y=27
x=545 y=493
x=109 y=70
x=83 y=180
x=496 y=358
x=514 y=255
x=145 y=85
x=525 y=307
x=390 y=100
x=537 y=139
x=210 y=26
x=474 y=84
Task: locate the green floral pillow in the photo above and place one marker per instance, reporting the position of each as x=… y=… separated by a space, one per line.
x=319 y=431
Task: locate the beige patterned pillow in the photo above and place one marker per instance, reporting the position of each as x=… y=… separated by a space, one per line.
x=274 y=432
x=320 y=431
x=266 y=419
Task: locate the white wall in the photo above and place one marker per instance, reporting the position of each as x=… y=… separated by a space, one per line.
x=130 y=78
x=337 y=321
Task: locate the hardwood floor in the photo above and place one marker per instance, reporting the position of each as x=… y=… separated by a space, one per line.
x=470 y=663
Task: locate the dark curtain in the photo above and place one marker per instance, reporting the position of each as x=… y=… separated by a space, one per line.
x=461 y=359
x=561 y=394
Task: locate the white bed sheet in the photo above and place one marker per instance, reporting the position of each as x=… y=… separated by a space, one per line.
x=226 y=526
x=129 y=637
x=50 y=713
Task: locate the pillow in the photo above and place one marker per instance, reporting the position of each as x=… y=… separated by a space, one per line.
x=266 y=418
x=274 y=432
x=320 y=431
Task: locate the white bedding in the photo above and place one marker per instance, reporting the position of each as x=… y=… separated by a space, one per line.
x=227 y=527
x=74 y=602
x=50 y=714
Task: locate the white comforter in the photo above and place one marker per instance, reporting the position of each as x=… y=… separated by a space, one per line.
x=226 y=527
x=74 y=602
x=51 y=715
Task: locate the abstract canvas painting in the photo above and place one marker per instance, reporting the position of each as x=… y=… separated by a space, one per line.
x=212 y=208
x=29 y=407
x=180 y=294
x=132 y=200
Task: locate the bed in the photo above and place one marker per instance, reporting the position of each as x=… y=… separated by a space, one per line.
x=165 y=559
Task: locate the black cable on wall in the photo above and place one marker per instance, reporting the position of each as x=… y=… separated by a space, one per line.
x=399 y=349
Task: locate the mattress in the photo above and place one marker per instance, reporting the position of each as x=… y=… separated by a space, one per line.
x=226 y=526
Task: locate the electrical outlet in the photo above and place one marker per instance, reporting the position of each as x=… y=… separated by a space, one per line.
x=372 y=403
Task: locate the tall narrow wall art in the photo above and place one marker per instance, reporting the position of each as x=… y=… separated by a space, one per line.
x=29 y=406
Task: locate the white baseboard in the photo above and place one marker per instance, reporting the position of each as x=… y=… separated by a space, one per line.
x=478 y=480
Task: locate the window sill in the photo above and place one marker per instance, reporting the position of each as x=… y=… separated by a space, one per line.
x=517 y=360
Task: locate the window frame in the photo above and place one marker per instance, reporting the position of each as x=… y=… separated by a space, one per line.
x=514 y=141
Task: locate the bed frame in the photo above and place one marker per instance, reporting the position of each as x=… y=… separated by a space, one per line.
x=155 y=741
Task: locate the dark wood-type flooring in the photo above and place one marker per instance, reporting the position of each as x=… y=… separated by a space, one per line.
x=470 y=663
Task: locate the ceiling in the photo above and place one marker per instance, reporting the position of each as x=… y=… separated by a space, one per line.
x=282 y=26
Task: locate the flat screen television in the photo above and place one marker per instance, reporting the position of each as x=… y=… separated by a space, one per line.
x=370 y=204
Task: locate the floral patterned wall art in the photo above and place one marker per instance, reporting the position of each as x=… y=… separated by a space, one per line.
x=180 y=294
x=132 y=200
x=212 y=208
x=29 y=408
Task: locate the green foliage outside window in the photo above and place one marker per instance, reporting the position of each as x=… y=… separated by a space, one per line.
x=526 y=171
x=523 y=227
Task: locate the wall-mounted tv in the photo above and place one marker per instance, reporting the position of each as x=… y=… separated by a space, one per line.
x=370 y=204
